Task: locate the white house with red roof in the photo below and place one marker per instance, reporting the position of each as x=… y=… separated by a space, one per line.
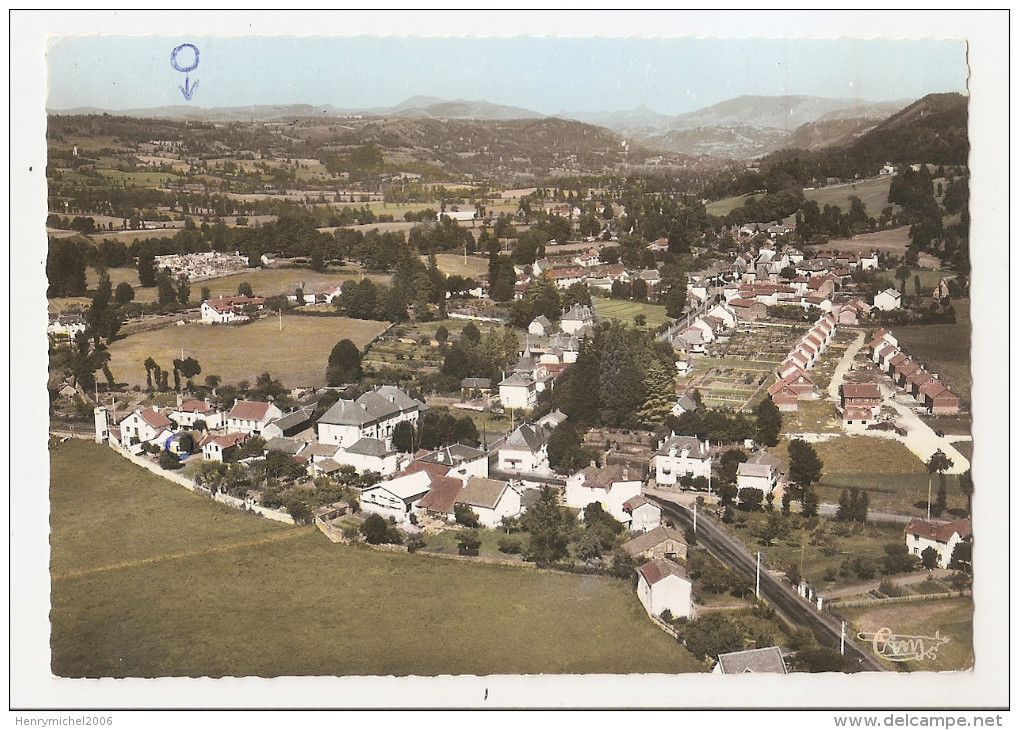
x=942 y=536
x=663 y=585
x=610 y=485
x=229 y=309
x=189 y=412
x=215 y=448
x=251 y=417
x=144 y=426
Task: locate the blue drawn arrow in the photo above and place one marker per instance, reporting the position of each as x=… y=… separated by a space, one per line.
x=187 y=89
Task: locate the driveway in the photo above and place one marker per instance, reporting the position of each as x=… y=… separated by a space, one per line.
x=920 y=438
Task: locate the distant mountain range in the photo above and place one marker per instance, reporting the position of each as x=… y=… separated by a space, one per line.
x=745 y=127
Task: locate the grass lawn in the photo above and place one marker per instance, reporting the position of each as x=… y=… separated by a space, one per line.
x=891 y=492
x=868 y=540
x=867 y=454
x=300 y=605
x=812 y=416
x=297 y=356
x=450 y=264
x=447 y=542
x=943 y=348
x=625 y=311
x=951 y=617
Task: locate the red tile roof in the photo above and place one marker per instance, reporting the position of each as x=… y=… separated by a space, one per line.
x=939 y=531
x=661 y=568
x=154 y=418
x=247 y=410
x=442 y=495
x=860 y=390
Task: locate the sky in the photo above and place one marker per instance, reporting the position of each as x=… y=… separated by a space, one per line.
x=548 y=75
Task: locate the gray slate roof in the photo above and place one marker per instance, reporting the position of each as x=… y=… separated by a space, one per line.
x=526 y=438
x=767 y=660
x=482 y=492
x=376 y=405
x=287 y=446
x=369 y=447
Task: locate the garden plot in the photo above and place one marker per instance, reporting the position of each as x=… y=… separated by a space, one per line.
x=736 y=370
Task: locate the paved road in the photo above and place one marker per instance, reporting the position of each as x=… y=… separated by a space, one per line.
x=785 y=602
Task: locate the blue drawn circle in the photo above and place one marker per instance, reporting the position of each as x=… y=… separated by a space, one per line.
x=178 y=49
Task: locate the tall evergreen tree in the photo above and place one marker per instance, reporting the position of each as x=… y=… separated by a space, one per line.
x=769 y=422
x=660 y=387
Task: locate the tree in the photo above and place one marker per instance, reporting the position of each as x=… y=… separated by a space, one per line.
x=167 y=291
x=728 y=465
x=902 y=273
x=727 y=494
x=769 y=530
x=469 y=542
x=769 y=422
x=660 y=386
x=550 y=526
x=566 y=451
x=711 y=635
x=966 y=486
x=465 y=515
x=465 y=431
x=169 y=461
x=929 y=558
x=809 y=502
x=940 y=463
x=750 y=499
x=183 y=290
x=804 y=464
x=244 y=289
x=853 y=505
x=375 y=529
x=150 y=366
x=403 y=437
x=638 y=290
x=124 y=294
x=65 y=267
x=441 y=334
x=344 y=364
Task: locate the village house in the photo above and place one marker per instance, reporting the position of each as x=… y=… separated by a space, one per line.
x=685 y=403
x=939 y=399
x=146 y=425
x=887 y=300
x=578 y=317
x=748 y=310
x=475 y=387
x=610 y=485
x=216 y=448
x=398 y=497
x=659 y=542
x=368 y=455
x=229 y=309
x=856 y=419
x=68 y=325
x=492 y=500
x=942 y=536
x=189 y=413
x=456 y=461
x=766 y=660
x=681 y=456
x=861 y=395
x=289 y=424
x=663 y=585
x=251 y=417
x=525 y=450
x=540 y=326
x=519 y=390
x=644 y=515
x=760 y=471
x=373 y=415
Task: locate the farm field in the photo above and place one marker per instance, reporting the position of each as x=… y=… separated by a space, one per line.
x=269 y=282
x=625 y=310
x=296 y=356
x=150 y=580
x=953 y=617
x=873 y=193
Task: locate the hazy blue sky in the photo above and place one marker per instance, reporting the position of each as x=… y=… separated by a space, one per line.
x=670 y=76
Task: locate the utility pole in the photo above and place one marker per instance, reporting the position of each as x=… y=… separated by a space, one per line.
x=842 y=647
x=929 y=480
x=695 y=517
x=280 y=310
x=758 y=575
